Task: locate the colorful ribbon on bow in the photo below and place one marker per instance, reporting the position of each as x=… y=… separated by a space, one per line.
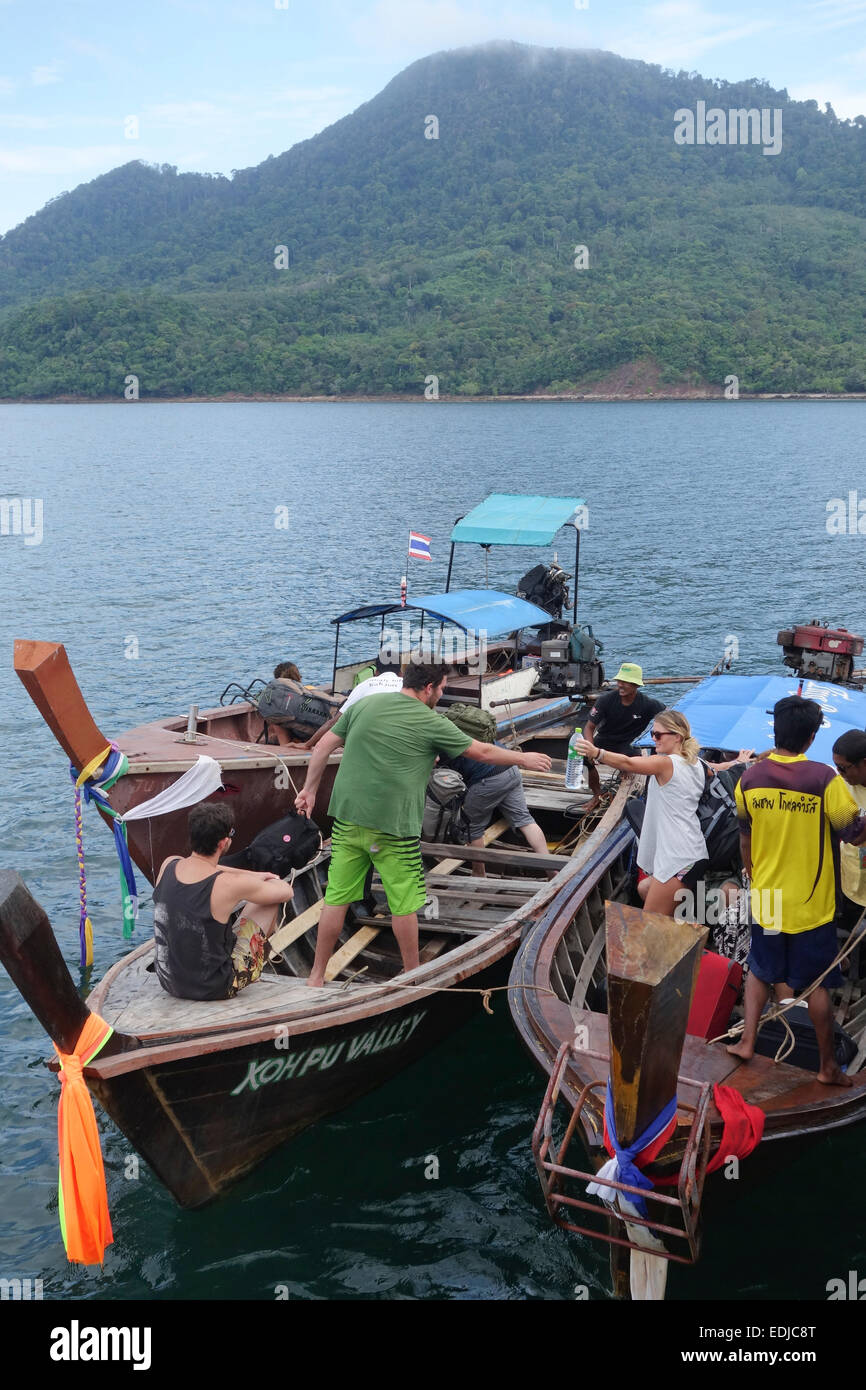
x=82 y=1195
x=91 y=783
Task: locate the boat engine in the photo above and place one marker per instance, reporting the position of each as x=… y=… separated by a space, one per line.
x=569 y=664
x=567 y=658
x=817 y=651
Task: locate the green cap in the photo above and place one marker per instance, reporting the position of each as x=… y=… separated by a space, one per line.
x=628 y=671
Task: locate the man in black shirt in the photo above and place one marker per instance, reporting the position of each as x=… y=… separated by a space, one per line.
x=619 y=717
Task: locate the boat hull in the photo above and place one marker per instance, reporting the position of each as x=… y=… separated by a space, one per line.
x=203 y=1121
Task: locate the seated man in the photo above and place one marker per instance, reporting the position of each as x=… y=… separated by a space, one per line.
x=198 y=956
x=490 y=789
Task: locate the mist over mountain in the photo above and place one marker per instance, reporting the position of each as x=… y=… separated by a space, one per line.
x=457 y=256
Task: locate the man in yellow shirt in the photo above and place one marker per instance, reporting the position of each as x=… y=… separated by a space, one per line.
x=849 y=755
x=793 y=813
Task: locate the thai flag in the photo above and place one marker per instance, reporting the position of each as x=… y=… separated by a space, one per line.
x=419 y=546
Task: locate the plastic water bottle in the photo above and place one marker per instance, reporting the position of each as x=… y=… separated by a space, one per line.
x=575 y=768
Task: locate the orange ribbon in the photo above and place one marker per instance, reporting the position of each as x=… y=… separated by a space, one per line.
x=84 y=1219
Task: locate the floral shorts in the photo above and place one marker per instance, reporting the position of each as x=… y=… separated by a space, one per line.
x=251 y=950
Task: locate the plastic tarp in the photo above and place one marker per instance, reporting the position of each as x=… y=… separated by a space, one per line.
x=733 y=712
x=506 y=519
x=478 y=610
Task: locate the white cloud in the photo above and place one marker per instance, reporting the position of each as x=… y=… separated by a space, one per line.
x=45 y=75
x=845 y=101
x=64 y=159
x=420 y=27
x=311 y=94
x=677 y=33
x=186 y=113
x=85 y=49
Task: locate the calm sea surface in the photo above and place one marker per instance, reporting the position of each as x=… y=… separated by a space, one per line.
x=706 y=520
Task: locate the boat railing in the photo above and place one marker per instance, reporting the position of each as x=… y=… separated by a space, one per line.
x=553 y=1174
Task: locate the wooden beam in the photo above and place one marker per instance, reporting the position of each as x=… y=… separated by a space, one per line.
x=492 y=833
x=44 y=671
x=652 y=966
x=31 y=955
x=349 y=950
x=508 y=858
x=298 y=927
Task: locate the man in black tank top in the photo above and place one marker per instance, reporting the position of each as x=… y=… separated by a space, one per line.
x=198 y=955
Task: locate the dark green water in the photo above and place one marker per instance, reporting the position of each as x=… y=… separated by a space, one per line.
x=704 y=521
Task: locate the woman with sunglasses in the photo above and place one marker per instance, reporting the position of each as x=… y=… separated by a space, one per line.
x=671 y=850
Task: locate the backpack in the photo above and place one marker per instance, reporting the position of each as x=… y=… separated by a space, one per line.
x=286 y=702
x=444 y=816
x=290 y=843
x=717 y=815
x=476 y=722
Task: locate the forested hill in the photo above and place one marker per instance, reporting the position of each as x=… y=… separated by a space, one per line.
x=407 y=256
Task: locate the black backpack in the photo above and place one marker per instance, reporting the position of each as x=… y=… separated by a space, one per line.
x=288 y=844
x=288 y=703
x=717 y=815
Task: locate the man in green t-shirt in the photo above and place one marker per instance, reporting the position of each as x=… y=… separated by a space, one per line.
x=390 y=745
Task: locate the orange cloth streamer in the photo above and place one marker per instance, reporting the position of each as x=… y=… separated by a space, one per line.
x=84 y=1219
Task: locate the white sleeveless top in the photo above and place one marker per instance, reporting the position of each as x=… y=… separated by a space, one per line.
x=670 y=838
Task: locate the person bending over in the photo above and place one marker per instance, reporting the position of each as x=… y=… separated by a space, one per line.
x=490 y=789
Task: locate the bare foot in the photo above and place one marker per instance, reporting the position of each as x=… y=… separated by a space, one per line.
x=834 y=1077
x=740 y=1050
x=315 y=984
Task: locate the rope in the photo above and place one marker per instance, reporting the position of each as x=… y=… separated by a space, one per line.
x=96 y=778
x=788 y=1043
x=85 y=926
x=456 y=989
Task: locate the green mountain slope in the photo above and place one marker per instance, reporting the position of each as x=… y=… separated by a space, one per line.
x=409 y=257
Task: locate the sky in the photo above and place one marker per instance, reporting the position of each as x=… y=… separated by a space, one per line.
x=216 y=85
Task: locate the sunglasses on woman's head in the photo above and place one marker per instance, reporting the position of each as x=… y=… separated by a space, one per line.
x=659 y=733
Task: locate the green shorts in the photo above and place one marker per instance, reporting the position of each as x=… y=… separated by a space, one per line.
x=397 y=860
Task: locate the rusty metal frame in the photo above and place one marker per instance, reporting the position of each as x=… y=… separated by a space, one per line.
x=552 y=1174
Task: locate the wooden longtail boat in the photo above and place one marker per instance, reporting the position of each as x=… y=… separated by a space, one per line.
x=580 y=1025
x=501 y=664
x=204 y=1091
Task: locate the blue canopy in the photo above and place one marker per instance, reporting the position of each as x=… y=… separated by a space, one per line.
x=731 y=712
x=508 y=519
x=482 y=610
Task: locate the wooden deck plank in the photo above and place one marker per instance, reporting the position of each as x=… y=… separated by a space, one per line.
x=350 y=949
x=297 y=927
x=511 y=858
